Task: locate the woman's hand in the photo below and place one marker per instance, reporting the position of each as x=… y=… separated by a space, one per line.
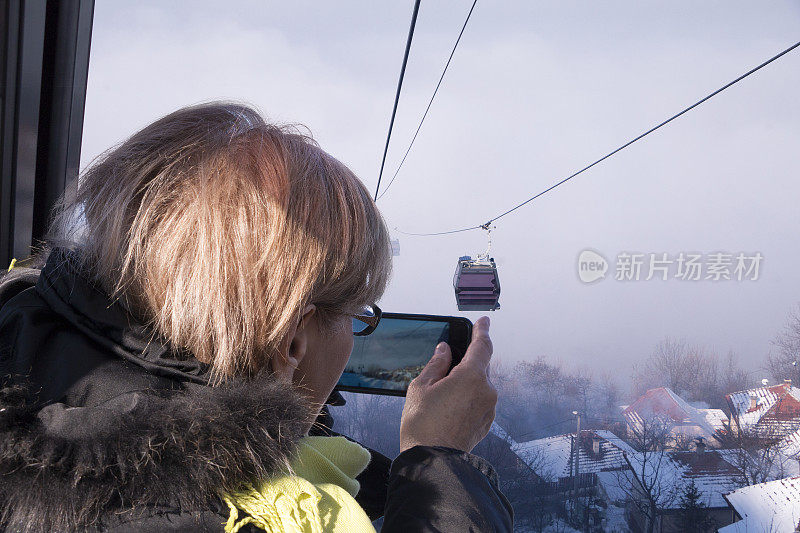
x=454 y=410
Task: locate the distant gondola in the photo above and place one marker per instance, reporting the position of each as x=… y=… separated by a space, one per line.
x=476 y=284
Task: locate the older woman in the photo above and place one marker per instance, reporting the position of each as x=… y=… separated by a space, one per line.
x=163 y=366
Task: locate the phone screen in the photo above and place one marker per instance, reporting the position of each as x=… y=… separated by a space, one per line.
x=396 y=352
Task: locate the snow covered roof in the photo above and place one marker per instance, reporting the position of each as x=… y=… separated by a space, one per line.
x=501 y=433
x=775 y=409
x=790 y=444
x=716 y=418
x=614 y=486
x=554 y=455
x=780 y=465
x=711 y=471
x=770 y=506
x=663 y=402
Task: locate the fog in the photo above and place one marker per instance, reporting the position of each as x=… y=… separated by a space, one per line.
x=535 y=92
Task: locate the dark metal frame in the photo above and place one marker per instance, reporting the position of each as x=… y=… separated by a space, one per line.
x=44 y=65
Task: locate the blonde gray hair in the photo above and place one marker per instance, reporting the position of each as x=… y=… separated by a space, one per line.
x=217 y=229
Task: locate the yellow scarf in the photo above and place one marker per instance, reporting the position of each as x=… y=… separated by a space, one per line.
x=316 y=498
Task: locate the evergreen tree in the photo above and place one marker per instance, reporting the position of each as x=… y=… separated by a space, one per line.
x=694 y=516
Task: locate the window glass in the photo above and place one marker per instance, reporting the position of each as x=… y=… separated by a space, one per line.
x=671 y=267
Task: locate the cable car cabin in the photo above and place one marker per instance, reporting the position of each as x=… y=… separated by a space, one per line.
x=476 y=284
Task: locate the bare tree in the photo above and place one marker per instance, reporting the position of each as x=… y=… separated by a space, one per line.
x=647 y=482
x=513 y=412
x=651 y=434
x=733 y=377
x=668 y=366
x=580 y=386
x=526 y=483
x=784 y=363
x=609 y=397
x=693 y=372
x=537 y=398
x=681 y=442
x=533 y=399
x=757 y=454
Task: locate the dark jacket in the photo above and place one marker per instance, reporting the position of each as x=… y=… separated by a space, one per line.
x=102 y=428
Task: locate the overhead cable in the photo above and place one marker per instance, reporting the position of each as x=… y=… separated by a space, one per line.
x=399 y=87
x=425 y=114
x=627 y=144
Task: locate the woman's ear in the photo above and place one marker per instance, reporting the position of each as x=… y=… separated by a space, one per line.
x=295 y=345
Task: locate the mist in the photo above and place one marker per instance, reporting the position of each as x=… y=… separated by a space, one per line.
x=535 y=92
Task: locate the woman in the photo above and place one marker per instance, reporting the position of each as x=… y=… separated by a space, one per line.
x=163 y=368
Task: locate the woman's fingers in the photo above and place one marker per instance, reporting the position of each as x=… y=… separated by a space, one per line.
x=479 y=353
x=438 y=366
x=453 y=410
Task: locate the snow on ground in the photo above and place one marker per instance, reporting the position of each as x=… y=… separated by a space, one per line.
x=614 y=520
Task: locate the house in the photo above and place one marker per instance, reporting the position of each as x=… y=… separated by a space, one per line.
x=684 y=423
x=598 y=451
x=497 y=448
x=612 y=470
x=765 y=430
x=601 y=457
x=771 y=414
x=762 y=464
x=535 y=500
x=770 y=506
x=789 y=445
x=709 y=470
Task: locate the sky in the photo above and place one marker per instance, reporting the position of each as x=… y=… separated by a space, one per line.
x=536 y=91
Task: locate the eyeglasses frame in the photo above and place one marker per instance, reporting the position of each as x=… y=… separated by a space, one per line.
x=372 y=321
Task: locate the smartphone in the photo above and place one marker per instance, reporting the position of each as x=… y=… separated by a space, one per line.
x=385 y=361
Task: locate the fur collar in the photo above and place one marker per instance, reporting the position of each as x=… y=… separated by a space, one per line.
x=66 y=468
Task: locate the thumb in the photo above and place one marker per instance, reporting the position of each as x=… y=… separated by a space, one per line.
x=438 y=366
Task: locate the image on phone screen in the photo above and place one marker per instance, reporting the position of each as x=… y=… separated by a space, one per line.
x=397 y=351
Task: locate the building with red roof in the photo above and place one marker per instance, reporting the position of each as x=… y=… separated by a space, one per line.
x=767 y=411
x=683 y=423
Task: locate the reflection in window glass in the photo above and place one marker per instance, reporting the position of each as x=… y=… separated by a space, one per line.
x=655 y=296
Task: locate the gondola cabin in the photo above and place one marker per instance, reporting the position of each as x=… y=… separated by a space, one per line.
x=476 y=284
